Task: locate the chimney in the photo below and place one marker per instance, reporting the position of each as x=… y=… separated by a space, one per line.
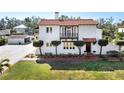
x=56 y=15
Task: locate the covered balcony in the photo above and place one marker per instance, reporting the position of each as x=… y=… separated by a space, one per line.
x=68 y=35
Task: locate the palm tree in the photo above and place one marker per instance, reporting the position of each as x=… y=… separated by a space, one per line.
x=4 y=63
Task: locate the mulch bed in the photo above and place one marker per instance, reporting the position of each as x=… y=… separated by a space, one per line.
x=113 y=59
x=69 y=59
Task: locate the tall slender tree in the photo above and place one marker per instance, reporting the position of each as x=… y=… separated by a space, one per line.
x=102 y=42
x=79 y=44
x=38 y=44
x=56 y=44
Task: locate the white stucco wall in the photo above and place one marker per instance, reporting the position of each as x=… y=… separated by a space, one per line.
x=85 y=31
x=89 y=31
x=20 y=30
x=120 y=29
x=15 y=41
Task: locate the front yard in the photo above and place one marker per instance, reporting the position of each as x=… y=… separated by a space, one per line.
x=87 y=66
x=69 y=71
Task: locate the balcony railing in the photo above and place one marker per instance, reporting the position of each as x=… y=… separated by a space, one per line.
x=68 y=35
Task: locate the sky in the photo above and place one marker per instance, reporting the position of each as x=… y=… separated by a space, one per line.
x=50 y=15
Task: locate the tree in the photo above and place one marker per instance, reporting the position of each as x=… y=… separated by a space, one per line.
x=102 y=42
x=12 y=22
x=120 y=43
x=56 y=43
x=79 y=44
x=38 y=44
x=2 y=24
x=31 y=22
x=108 y=27
x=119 y=35
x=4 y=63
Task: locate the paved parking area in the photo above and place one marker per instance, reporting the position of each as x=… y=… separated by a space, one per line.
x=16 y=52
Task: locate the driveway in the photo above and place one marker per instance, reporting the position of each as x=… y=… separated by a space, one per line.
x=16 y=52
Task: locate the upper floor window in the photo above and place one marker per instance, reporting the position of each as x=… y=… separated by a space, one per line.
x=48 y=29
x=51 y=29
x=63 y=29
x=74 y=29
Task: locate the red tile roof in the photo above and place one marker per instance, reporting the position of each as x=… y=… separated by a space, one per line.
x=89 y=39
x=121 y=26
x=67 y=22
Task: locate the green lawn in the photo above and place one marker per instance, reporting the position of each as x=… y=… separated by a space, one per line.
x=87 y=75
x=27 y=70
x=34 y=71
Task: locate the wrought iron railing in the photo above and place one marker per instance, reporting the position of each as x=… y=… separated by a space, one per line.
x=68 y=35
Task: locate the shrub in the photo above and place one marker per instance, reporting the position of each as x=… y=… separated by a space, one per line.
x=48 y=55
x=30 y=56
x=113 y=53
x=120 y=43
x=2 y=42
x=4 y=63
x=122 y=53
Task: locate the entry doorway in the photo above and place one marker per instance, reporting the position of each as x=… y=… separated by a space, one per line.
x=88 y=47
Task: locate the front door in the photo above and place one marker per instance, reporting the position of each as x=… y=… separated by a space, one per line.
x=88 y=47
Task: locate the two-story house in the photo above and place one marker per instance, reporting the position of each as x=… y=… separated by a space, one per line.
x=67 y=31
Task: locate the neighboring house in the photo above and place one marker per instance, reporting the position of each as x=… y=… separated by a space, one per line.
x=21 y=29
x=121 y=29
x=19 y=39
x=67 y=31
x=5 y=32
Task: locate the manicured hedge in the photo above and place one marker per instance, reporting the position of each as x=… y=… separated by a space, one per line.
x=113 y=53
x=2 y=42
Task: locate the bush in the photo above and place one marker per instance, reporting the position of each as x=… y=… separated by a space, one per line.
x=30 y=56
x=27 y=71
x=48 y=55
x=113 y=53
x=122 y=53
x=2 y=42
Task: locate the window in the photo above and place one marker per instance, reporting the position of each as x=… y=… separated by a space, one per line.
x=50 y=44
x=47 y=44
x=51 y=29
x=72 y=45
x=68 y=45
x=48 y=29
x=69 y=31
x=75 y=31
